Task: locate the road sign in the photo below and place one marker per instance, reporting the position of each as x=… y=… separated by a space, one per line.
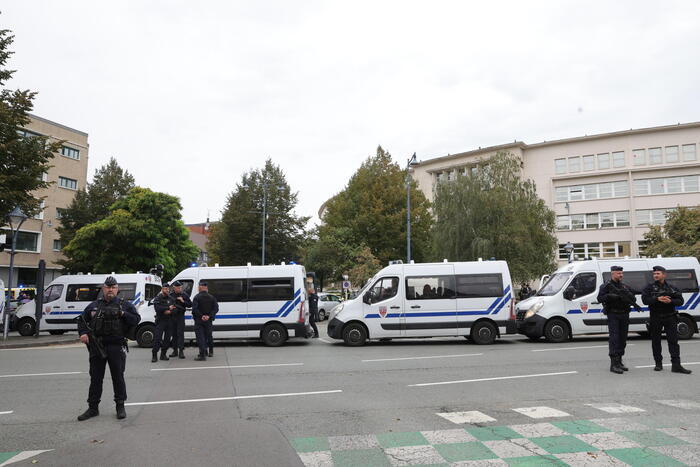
x=346 y=284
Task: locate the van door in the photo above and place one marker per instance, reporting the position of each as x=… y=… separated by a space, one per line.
x=271 y=299
x=52 y=302
x=581 y=304
x=481 y=295
x=232 y=318
x=78 y=297
x=430 y=306
x=383 y=308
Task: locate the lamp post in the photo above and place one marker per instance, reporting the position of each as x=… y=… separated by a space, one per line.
x=265 y=187
x=15 y=218
x=569 y=248
x=411 y=161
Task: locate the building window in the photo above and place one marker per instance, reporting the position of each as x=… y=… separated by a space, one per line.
x=598 y=250
x=40 y=214
x=57 y=245
x=596 y=220
x=68 y=183
x=588 y=163
x=672 y=154
x=639 y=157
x=592 y=191
x=603 y=161
x=560 y=166
x=450 y=175
x=26 y=133
x=658 y=186
x=440 y=177
x=618 y=159
x=60 y=212
x=689 y=152
x=574 y=164
x=70 y=152
x=26 y=241
x=654 y=155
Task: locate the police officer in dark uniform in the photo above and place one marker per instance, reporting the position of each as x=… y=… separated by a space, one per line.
x=313 y=310
x=103 y=327
x=663 y=298
x=164 y=305
x=617 y=298
x=177 y=328
x=204 y=309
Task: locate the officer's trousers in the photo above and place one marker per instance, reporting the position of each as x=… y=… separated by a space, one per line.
x=618 y=326
x=162 y=338
x=116 y=359
x=205 y=339
x=177 y=330
x=313 y=317
x=670 y=325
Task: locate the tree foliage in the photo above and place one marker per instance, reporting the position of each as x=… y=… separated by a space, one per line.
x=495 y=213
x=93 y=203
x=237 y=238
x=680 y=235
x=144 y=228
x=23 y=159
x=364 y=267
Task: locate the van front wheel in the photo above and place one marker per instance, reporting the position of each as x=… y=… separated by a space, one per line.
x=484 y=333
x=26 y=327
x=556 y=331
x=354 y=335
x=145 y=335
x=274 y=335
x=685 y=328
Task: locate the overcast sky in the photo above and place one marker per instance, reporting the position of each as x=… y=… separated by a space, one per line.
x=189 y=95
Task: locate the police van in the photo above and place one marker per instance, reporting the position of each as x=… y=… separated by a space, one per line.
x=470 y=299
x=66 y=297
x=265 y=302
x=567 y=305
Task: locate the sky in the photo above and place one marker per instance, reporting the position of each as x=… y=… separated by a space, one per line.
x=188 y=96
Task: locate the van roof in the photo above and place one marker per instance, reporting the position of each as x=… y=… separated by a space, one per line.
x=99 y=278
x=641 y=263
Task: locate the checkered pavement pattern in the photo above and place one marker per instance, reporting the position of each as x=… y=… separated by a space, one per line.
x=480 y=441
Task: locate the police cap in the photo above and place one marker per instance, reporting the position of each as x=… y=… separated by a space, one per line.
x=659 y=268
x=164 y=285
x=616 y=268
x=176 y=284
x=203 y=283
x=110 y=281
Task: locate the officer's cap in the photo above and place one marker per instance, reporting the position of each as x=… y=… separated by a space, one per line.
x=165 y=284
x=110 y=281
x=616 y=268
x=177 y=284
x=659 y=268
x=203 y=283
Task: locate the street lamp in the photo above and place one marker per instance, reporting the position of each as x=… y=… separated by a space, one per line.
x=265 y=186
x=569 y=248
x=15 y=218
x=411 y=162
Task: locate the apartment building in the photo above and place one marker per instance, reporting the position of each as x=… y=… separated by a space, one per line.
x=38 y=238
x=605 y=189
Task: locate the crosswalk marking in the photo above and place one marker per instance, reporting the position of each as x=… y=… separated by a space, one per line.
x=681 y=404
x=541 y=412
x=473 y=416
x=615 y=408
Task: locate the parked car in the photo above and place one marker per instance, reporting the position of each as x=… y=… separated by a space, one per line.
x=326 y=302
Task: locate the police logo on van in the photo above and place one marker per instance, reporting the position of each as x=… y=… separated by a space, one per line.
x=382 y=311
x=584 y=307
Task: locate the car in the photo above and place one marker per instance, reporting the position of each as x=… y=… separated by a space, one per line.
x=326 y=302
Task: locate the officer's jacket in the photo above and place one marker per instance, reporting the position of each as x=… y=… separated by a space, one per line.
x=123 y=309
x=313 y=303
x=161 y=304
x=616 y=297
x=179 y=306
x=651 y=294
x=204 y=303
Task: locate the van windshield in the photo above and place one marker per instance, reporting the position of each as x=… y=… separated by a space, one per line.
x=554 y=284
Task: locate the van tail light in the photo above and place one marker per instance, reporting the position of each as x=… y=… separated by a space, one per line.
x=512 y=309
x=301 y=312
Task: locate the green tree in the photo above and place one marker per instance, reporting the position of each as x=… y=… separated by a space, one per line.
x=237 y=238
x=365 y=266
x=680 y=235
x=143 y=229
x=495 y=213
x=93 y=203
x=24 y=157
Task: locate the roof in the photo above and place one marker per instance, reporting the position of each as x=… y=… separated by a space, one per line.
x=46 y=120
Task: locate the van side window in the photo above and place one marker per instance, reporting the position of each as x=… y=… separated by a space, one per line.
x=270 y=289
x=83 y=292
x=228 y=290
x=479 y=285
x=126 y=291
x=636 y=280
x=151 y=291
x=187 y=285
x=384 y=289
x=684 y=279
x=53 y=293
x=430 y=287
x=584 y=283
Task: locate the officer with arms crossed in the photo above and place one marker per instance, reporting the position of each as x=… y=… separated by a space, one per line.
x=663 y=298
x=204 y=309
x=103 y=327
x=177 y=327
x=617 y=298
x=164 y=305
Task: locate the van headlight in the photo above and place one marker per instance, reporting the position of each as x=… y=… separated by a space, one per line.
x=336 y=309
x=534 y=309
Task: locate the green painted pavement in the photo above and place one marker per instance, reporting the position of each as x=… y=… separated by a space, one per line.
x=493 y=433
x=472 y=451
x=360 y=457
x=5 y=456
x=580 y=427
x=397 y=440
x=562 y=444
x=310 y=444
x=651 y=438
x=640 y=457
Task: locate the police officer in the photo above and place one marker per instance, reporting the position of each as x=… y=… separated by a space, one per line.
x=204 y=309
x=617 y=298
x=663 y=298
x=177 y=326
x=313 y=310
x=102 y=327
x=164 y=305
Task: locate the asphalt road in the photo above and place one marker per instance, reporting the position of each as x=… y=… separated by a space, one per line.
x=253 y=405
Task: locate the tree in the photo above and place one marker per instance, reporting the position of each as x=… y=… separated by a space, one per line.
x=93 y=203
x=24 y=157
x=680 y=235
x=237 y=238
x=365 y=266
x=495 y=213
x=143 y=229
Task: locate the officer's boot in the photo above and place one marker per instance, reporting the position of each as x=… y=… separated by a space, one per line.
x=677 y=368
x=181 y=353
x=164 y=355
x=92 y=411
x=211 y=352
x=622 y=365
x=121 y=411
x=173 y=353
x=154 y=357
x=658 y=366
x=201 y=357
x=614 y=366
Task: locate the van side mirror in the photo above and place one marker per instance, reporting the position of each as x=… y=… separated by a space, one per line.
x=569 y=293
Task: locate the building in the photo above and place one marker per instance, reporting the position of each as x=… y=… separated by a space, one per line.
x=38 y=238
x=199 y=234
x=606 y=189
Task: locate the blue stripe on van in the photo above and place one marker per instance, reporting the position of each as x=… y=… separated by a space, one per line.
x=690 y=304
x=64 y=313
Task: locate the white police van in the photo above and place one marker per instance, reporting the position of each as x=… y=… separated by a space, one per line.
x=265 y=302
x=567 y=305
x=470 y=299
x=66 y=297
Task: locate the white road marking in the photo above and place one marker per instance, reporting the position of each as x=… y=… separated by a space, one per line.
x=225 y=366
x=668 y=364
x=689 y=342
x=7 y=412
x=681 y=404
x=24 y=455
x=324 y=340
x=473 y=416
x=495 y=379
x=541 y=412
x=614 y=407
x=422 y=358
x=574 y=348
x=232 y=398
x=48 y=347
x=44 y=374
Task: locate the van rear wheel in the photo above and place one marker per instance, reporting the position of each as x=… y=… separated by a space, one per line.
x=484 y=333
x=145 y=335
x=685 y=328
x=26 y=327
x=274 y=335
x=354 y=335
x=556 y=330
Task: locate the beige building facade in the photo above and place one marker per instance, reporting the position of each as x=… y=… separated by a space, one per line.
x=605 y=189
x=38 y=238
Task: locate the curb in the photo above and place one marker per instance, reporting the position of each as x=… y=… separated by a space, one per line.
x=32 y=343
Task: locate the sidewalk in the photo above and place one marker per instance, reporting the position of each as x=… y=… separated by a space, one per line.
x=15 y=341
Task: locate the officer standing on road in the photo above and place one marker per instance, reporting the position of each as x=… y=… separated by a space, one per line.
x=177 y=328
x=313 y=310
x=204 y=309
x=103 y=327
x=617 y=298
x=164 y=305
x=663 y=298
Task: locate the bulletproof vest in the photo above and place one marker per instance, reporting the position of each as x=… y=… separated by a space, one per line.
x=206 y=303
x=106 y=321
